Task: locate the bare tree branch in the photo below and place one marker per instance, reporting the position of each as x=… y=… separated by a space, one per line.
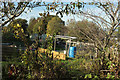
x=96 y=17
x=13 y=16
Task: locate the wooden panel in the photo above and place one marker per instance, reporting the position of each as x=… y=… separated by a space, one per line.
x=56 y=55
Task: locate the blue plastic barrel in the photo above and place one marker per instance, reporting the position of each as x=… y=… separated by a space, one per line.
x=72 y=52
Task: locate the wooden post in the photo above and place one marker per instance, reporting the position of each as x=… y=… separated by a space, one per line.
x=66 y=47
x=69 y=47
x=54 y=44
x=96 y=55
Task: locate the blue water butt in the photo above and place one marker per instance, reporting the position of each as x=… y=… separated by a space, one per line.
x=72 y=52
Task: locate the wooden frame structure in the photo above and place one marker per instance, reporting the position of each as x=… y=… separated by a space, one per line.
x=69 y=41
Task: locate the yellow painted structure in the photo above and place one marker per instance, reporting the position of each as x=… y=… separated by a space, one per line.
x=55 y=54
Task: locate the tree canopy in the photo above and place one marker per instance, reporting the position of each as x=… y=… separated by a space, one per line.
x=55 y=26
x=39 y=23
x=17 y=29
x=32 y=22
x=22 y=22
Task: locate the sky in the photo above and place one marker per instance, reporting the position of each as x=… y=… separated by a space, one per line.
x=35 y=12
x=57 y=0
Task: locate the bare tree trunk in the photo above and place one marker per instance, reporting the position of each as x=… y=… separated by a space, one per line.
x=119 y=35
x=119 y=44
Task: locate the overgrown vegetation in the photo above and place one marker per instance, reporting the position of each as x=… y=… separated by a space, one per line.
x=101 y=60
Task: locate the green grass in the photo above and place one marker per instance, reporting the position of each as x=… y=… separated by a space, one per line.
x=79 y=67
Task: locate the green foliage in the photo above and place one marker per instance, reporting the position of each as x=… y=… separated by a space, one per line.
x=30 y=27
x=50 y=43
x=95 y=77
x=55 y=26
x=18 y=28
x=109 y=76
x=9 y=37
x=80 y=67
x=39 y=25
x=22 y=23
x=34 y=66
x=110 y=64
x=88 y=76
x=44 y=67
